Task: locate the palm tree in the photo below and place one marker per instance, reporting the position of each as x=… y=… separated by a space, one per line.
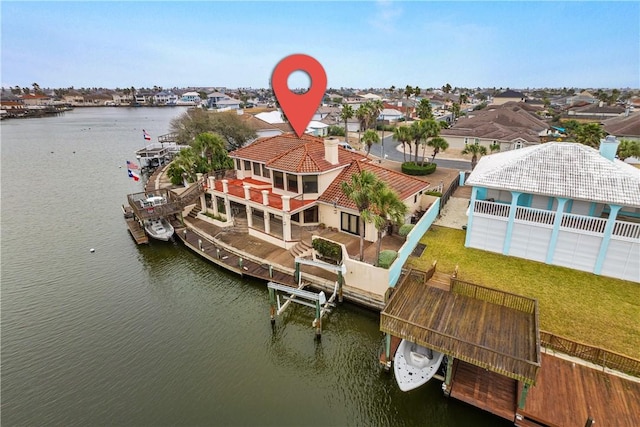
x=446 y=88
x=431 y=130
x=476 y=150
x=408 y=91
x=628 y=148
x=369 y=138
x=494 y=147
x=416 y=91
x=361 y=190
x=424 y=110
x=375 y=108
x=386 y=207
x=183 y=166
x=463 y=98
x=439 y=144
x=419 y=131
x=403 y=135
x=589 y=134
x=212 y=147
x=346 y=114
x=455 y=109
x=362 y=114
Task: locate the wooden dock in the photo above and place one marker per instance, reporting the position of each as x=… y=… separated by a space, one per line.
x=484 y=389
x=568 y=393
x=137 y=232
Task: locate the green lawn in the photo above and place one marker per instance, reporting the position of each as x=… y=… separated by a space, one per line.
x=595 y=310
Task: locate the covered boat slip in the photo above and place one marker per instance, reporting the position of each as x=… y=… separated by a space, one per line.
x=489 y=329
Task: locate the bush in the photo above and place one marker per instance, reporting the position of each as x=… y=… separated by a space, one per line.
x=336 y=130
x=405 y=229
x=411 y=168
x=386 y=128
x=327 y=249
x=386 y=258
x=216 y=217
x=433 y=193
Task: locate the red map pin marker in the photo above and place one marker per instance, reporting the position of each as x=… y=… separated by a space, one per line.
x=299 y=108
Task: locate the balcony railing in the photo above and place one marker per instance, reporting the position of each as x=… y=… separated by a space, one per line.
x=621 y=229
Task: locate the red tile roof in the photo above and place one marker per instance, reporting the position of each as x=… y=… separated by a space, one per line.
x=290 y=153
x=404 y=185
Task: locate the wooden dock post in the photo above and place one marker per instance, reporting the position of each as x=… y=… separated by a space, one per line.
x=340 y=282
x=318 y=321
x=272 y=306
x=270 y=271
x=523 y=395
x=387 y=352
x=446 y=386
x=240 y=262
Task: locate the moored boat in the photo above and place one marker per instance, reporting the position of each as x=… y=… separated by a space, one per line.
x=159 y=229
x=414 y=365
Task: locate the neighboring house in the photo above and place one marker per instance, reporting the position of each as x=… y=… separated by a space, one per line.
x=594 y=112
x=391 y=115
x=316 y=128
x=165 y=97
x=509 y=125
x=271 y=117
x=284 y=183
x=219 y=101
x=626 y=126
x=74 y=98
x=140 y=98
x=509 y=96
x=563 y=204
x=262 y=128
x=121 y=99
x=189 y=98
x=327 y=114
x=35 y=99
x=583 y=97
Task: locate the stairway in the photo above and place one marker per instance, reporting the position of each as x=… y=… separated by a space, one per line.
x=301 y=249
x=240 y=225
x=195 y=211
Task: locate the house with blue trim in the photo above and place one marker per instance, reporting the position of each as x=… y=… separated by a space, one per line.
x=560 y=203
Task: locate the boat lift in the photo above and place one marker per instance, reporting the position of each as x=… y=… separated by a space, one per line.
x=318 y=301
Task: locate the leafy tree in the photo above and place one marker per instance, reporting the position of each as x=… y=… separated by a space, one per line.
x=361 y=190
x=424 y=110
x=227 y=124
x=403 y=135
x=476 y=150
x=335 y=130
x=369 y=138
x=386 y=208
x=628 y=148
x=589 y=134
x=446 y=88
x=438 y=144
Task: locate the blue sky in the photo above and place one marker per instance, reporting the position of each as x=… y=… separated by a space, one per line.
x=360 y=44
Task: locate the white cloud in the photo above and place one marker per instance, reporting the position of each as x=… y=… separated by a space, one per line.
x=386 y=15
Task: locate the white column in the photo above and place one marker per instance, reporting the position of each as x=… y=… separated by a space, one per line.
x=214 y=204
x=286 y=227
x=265 y=197
x=249 y=217
x=225 y=186
x=247 y=192
x=267 y=222
x=286 y=204
x=203 y=203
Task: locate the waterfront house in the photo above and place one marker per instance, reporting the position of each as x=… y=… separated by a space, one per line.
x=189 y=98
x=221 y=101
x=36 y=99
x=285 y=183
x=563 y=204
x=510 y=125
x=165 y=97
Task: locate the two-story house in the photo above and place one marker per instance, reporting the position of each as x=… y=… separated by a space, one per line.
x=165 y=97
x=284 y=183
x=560 y=203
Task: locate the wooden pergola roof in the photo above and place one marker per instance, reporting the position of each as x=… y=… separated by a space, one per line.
x=495 y=330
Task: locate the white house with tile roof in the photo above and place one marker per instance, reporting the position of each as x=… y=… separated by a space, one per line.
x=563 y=204
x=283 y=183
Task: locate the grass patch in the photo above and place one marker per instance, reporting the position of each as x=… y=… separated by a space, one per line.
x=592 y=309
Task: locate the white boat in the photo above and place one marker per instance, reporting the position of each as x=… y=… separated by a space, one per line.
x=159 y=229
x=414 y=365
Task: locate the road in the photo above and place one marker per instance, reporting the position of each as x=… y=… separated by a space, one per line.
x=392 y=154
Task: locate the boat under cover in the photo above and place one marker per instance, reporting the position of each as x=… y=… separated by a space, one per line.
x=414 y=365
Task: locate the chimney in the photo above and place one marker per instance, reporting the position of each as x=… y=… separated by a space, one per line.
x=609 y=147
x=331 y=150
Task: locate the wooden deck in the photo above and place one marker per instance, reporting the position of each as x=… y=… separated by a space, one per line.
x=467 y=327
x=137 y=232
x=567 y=393
x=484 y=389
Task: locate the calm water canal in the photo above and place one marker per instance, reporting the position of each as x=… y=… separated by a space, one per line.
x=153 y=335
